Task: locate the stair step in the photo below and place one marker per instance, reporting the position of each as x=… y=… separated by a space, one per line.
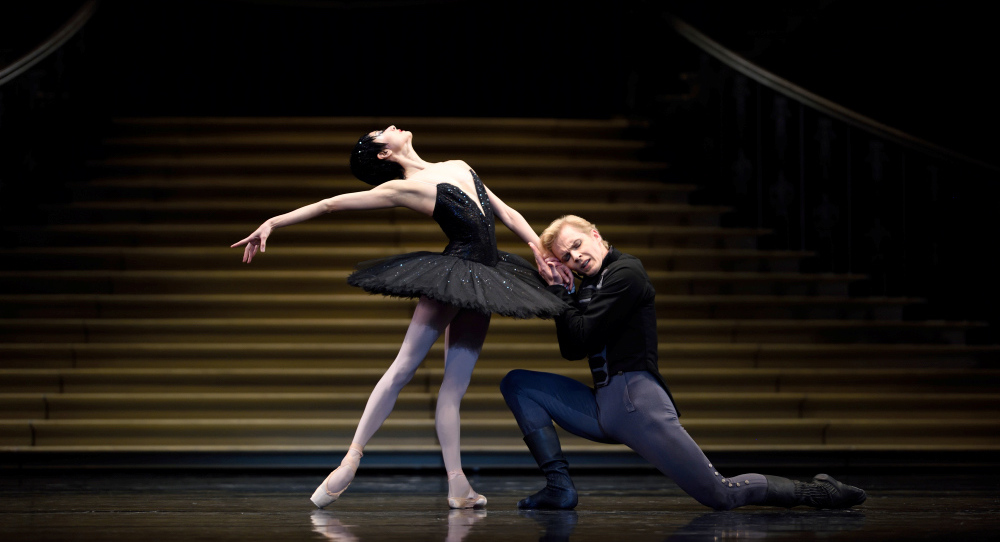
x=362 y=305
x=814 y=331
x=497 y=353
x=482 y=405
x=237 y=280
x=336 y=330
x=354 y=380
x=253 y=212
x=326 y=258
x=488 y=433
x=355 y=127
x=350 y=234
x=336 y=164
x=512 y=189
x=332 y=144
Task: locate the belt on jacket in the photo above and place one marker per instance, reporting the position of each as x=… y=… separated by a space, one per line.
x=600 y=373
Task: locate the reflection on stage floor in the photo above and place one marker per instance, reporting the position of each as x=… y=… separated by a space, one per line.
x=274 y=505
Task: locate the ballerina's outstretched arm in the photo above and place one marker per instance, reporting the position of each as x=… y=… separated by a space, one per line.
x=390 y=194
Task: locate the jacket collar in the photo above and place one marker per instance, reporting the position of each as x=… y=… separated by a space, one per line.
x=610 y=258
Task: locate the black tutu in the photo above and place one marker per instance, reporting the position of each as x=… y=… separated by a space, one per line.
x=512 y=288
x=470 y=273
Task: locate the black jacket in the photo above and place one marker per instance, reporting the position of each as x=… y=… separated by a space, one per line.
x=617 y=324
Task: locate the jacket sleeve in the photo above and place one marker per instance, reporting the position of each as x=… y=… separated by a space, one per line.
x=582 y=332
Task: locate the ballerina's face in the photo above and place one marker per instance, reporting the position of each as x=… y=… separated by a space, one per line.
x=393 y=138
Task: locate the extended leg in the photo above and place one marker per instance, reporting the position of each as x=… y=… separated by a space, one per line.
x=643 y=417
x=637 y=411
x=429 y=319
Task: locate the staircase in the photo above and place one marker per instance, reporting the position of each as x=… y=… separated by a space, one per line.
x=127 y=324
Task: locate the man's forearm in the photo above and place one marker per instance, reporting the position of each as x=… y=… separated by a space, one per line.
x=570 y=346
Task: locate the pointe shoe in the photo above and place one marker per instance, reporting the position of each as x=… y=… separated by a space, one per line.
x=324 y=494
x=460 y=503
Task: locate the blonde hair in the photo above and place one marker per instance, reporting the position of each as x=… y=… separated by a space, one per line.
x=580 y=224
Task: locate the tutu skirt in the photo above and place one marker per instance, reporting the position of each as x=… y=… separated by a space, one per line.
x=512 y=288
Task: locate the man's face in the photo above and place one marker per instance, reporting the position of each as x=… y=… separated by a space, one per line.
x=582 y=252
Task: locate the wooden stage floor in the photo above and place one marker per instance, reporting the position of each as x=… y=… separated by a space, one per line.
x=102 y=504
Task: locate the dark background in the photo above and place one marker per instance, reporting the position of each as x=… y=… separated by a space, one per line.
x=925 y=68
x=452 y=58
x=922 y=67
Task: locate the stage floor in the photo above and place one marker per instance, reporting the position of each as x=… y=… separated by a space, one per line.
x=194 y=505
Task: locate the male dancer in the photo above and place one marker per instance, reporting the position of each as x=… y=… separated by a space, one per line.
x=612 y=321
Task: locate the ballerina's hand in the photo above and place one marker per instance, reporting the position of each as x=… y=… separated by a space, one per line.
x=564 y=273
x=254 y=242
x=551 y=269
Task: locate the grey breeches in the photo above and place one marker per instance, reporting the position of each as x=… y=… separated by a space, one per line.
x=634 y=410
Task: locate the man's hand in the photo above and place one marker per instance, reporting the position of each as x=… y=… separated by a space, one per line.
x=551 y=269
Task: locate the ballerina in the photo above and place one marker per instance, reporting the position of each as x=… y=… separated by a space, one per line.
x=458 y=289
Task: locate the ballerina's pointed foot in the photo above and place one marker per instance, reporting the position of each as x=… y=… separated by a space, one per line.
x=476 y=501
x=458 y=484
x=338 y=480
x=331 y=488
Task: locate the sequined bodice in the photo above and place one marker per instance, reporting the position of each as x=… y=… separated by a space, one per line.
x=470 y=232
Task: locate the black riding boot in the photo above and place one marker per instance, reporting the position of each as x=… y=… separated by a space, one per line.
x=822 y=492
x=559 y=492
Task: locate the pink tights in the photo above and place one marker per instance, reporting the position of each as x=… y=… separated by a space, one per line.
x=464 y=332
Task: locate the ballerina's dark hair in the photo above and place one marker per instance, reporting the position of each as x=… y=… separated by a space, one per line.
x=366 y=165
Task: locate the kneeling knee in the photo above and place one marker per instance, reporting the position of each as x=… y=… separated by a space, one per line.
x=719 y=501
x=512 y=382
x=722 y=506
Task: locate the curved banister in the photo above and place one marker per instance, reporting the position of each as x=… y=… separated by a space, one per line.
x=823 y=105
x=55 y=41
